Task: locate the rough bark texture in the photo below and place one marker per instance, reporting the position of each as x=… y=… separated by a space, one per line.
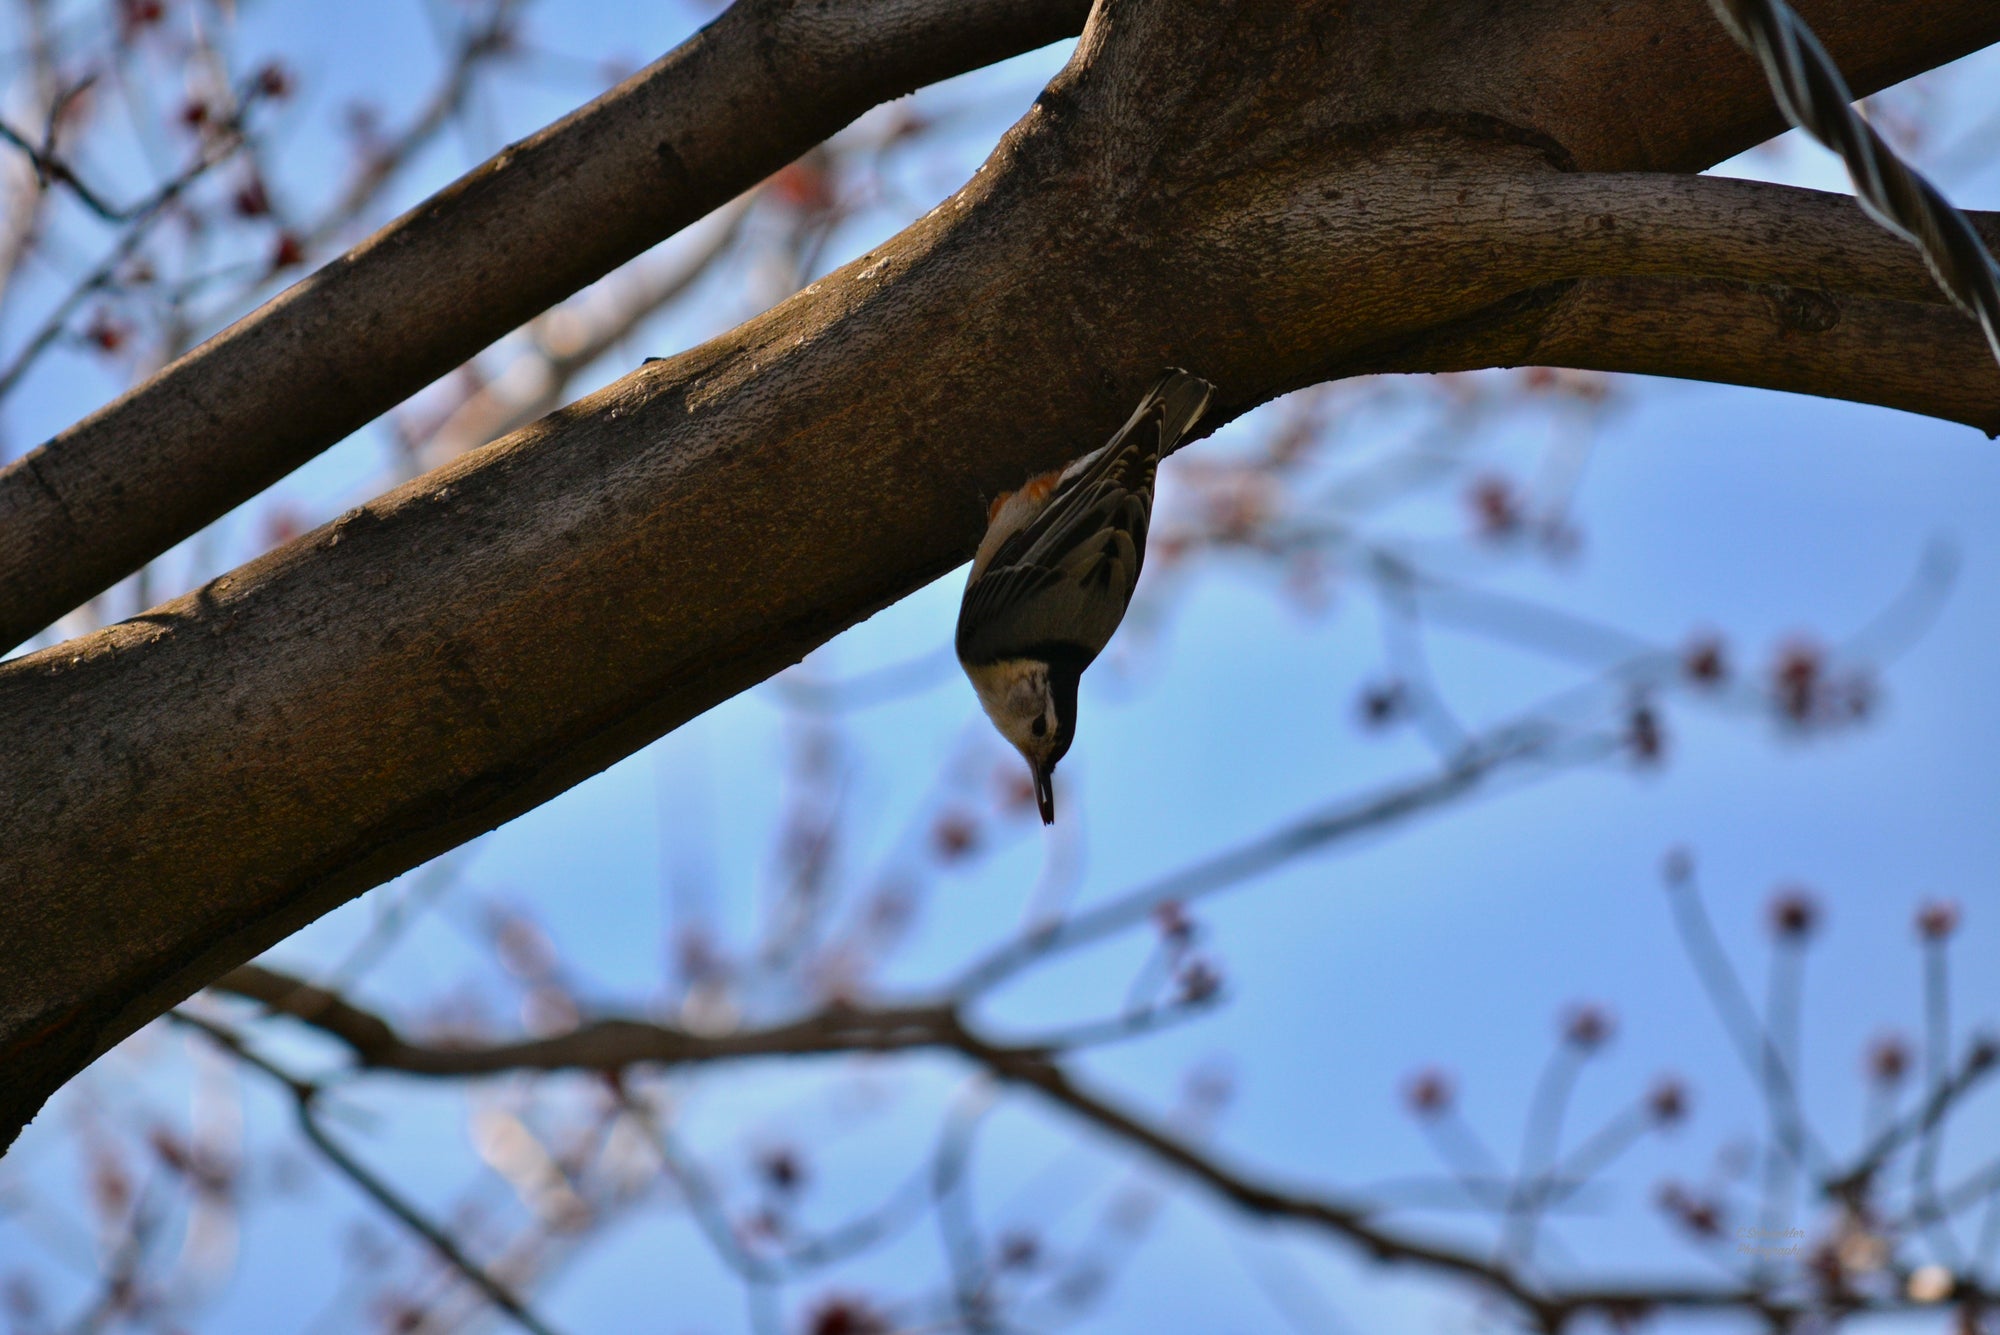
x=544 y=218
x=1267 y=195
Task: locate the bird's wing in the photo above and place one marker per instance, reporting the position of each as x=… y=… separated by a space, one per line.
x=1073 y=566
x=1064 y=599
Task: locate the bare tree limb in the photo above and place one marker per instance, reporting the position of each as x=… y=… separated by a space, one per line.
x=1810 y=90
x=841 y=1029
x=1035 y=1067
x=1704 y=278
x=602 y=1045
x=493 y=411
x=1921 y=357
x=1680 y=226
x=546 y=216
x=1702 y=102
x=708 y=120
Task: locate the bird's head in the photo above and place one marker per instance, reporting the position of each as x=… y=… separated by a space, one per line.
x=1034 y=707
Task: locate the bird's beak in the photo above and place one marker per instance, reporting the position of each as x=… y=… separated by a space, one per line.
x=1045 y=792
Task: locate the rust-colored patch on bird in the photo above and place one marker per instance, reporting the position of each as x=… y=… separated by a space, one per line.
x=1038 y=488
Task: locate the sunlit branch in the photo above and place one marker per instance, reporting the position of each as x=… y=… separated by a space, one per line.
x=598 y=180
x=560 y=351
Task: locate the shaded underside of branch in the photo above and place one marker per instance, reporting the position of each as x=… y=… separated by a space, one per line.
x=1734 y=282
x=1921 y=357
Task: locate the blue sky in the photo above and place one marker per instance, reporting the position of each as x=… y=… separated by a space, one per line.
x=1456 y=939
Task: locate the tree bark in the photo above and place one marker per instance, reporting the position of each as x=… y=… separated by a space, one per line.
x=762 y=84
x=1800 y=339
x=1261 y=194
x=541 y=220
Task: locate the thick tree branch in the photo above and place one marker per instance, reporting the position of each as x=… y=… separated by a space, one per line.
x=1683 y=95
x=545 y=217
x=711 y=118
x=1921 y=357
x=186 y=788
x=1704 y=278
x=1809 y=87
x=1672 y=225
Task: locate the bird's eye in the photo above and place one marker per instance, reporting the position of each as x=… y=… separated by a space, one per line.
x=1040 y=725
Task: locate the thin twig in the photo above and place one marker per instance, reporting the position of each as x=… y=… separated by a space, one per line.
x=1852 y=1186
x=1236 y=865
x=1781 y=1056
x=958 y=1225
x=1937 y=1073
x=1539 y=1142
x=1354 y=1219
x=139 y=221
x=304 y=1094
x=1753 y=1044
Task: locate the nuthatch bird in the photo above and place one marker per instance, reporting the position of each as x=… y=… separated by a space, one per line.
x=1055 y=572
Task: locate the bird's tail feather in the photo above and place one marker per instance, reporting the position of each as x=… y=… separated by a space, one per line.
x=1182 y=399
x=1178 y=398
